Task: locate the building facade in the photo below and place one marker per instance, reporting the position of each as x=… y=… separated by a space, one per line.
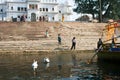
x=34 y=10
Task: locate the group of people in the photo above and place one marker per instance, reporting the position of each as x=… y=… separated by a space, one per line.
x=73 y=42
x=100 y=44
x=60 y=40
x=73 y=46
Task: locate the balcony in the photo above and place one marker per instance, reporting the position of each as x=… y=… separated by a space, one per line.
x=53 y=2
x=50 y=12
x=14 y=1
x=33 y=0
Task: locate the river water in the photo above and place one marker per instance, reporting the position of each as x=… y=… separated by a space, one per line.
x=61 y=67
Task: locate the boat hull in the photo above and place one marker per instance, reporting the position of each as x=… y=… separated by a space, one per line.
x=109 y=56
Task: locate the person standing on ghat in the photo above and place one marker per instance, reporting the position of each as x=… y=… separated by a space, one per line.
x=59 y=39
x=73 y=43
x=46 y=34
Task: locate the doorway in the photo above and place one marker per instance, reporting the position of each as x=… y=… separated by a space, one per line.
x=33 y=17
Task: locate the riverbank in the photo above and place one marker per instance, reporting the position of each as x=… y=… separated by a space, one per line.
x=42 y=47
x=46 y=51
x=30 y=36
x=84 y=55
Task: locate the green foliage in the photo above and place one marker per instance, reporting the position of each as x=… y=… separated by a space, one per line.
x=110 y=8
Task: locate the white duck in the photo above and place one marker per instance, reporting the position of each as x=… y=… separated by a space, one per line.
x=34 y=65
x=46 y=60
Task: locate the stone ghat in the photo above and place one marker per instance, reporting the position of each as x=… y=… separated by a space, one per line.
x=31 y=35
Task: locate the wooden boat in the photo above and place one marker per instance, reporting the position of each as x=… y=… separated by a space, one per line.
x=108 y=51
x=109 y=54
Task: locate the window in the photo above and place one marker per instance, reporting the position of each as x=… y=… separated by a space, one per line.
x=11 y=8
x=59 y=11
x=40 y=9
x=36 y=6
x=53 y=18
x=21 y=8
x=52 y=9
x=43 y=9
x=32 y=6
x=18 y=8
x=47 y=9
x=1 y=10
x=25 y=9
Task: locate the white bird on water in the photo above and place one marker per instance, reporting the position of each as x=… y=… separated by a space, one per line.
x=34 y=65
x=46 y=60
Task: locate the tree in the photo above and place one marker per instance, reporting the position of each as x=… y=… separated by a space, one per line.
x=86 y=6
x=112 y=10
x=109 y=8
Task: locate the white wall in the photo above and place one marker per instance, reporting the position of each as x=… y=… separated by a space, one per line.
x=21 y=3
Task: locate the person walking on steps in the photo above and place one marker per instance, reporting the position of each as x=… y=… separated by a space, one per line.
x=73 y=43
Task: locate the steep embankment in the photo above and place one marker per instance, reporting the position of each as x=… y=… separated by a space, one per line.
x=21 y=35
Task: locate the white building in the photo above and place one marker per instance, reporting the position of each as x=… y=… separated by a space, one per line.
x=34 y=10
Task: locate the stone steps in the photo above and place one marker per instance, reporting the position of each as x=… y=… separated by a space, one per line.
x=87 y=35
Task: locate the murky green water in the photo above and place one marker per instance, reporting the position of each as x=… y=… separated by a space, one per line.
x=61 y=67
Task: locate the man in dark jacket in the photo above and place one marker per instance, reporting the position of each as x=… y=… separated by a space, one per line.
x=73 y=43
x=99 y=43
